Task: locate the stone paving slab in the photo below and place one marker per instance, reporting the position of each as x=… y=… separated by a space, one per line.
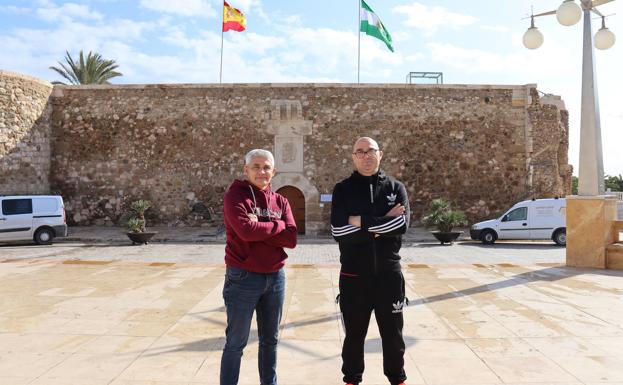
x=116 y=322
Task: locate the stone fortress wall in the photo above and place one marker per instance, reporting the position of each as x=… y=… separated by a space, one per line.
x=24 y=134
x=180 y=146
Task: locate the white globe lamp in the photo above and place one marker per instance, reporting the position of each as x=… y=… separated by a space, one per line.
x=533 y=38
x=604 y=38
x=569 y=13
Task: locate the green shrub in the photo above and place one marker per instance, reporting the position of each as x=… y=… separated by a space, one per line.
x=441 y=216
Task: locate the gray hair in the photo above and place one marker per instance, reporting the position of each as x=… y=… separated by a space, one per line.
x=261 y=153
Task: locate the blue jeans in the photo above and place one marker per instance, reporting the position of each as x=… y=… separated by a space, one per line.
x=245 y=292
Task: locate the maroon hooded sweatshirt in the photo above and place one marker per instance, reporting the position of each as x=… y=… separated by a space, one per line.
x=257 y=246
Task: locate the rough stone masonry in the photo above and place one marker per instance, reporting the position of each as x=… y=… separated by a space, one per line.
x=180 y=146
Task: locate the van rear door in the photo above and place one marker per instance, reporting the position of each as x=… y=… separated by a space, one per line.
x=542 y=220
x=16 y=218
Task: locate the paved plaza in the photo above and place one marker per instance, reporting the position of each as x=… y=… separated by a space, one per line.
x=91 y=314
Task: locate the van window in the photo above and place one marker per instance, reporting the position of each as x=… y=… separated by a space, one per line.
x=520 y=214
x=16 y=206
x=44 y=205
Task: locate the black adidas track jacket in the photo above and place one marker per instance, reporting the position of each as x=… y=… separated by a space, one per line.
x=374 y=247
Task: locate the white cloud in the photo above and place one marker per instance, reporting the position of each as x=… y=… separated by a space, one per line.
x=255 y=43
x=14 y=9
x=189 y=8
x=51 y=12
x=495 y=28
x=244 y=5
x=34 y=50
x=414 y=57
x=400 y=36
x=250 y=8
x=430 y=19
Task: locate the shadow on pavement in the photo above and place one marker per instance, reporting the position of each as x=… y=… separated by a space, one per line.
x=514 y=245
x=499 y=246
x=545 y=275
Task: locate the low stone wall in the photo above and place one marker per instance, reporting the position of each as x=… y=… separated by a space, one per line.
x=180 y=146
x=24 y=134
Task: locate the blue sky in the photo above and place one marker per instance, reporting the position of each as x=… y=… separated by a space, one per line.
x=178 y=41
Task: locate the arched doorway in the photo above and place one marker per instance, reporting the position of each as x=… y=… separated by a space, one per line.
x=297 y=203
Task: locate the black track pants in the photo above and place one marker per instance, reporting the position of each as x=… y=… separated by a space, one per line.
x=359 y=295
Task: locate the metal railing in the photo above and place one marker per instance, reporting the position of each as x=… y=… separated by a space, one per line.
x=437 y=76
x=619 y=195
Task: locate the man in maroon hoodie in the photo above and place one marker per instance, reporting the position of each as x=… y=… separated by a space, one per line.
x=259 y=224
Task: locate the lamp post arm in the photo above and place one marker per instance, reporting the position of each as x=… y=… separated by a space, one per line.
x=545 y=13
x=596 y=11
x=597 y=3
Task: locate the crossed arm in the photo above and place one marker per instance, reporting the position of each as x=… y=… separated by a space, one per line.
x=360 y=228
x=277 y=232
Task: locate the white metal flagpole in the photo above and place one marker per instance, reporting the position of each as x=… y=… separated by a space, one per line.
x=220 y=79
x=358 y=40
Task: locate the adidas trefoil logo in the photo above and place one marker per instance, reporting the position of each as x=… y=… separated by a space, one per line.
x=391 y=199
x=397 y=307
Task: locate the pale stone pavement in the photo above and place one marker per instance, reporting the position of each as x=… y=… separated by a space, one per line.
x=69 y=318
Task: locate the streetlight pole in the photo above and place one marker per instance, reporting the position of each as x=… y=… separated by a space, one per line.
x=591 y=172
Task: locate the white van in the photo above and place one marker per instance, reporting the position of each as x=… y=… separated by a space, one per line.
x=32 y=217
x=534 y=219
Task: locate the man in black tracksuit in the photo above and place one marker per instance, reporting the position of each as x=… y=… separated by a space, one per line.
x=369 y=214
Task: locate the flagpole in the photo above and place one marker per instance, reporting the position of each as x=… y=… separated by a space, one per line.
x=220 y=79
x=358 y=40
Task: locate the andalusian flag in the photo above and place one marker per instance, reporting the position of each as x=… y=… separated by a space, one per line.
x=371 y=25
x=233 y=19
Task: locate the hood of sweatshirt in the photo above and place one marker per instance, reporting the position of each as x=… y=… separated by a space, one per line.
x=263 y=202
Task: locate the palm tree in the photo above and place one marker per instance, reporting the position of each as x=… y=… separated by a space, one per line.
x=93 y=70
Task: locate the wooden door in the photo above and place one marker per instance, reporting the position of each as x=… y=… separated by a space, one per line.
x=297 y=203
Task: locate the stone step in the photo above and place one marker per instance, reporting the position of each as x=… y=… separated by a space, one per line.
x=617 y=226
x=614 y=256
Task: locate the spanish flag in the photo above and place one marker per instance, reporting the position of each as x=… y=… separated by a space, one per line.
x=233 y=19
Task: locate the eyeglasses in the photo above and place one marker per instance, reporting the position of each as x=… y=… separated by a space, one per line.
x=360 y=154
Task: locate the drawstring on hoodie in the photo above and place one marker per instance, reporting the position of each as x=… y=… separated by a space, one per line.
x=255 y=202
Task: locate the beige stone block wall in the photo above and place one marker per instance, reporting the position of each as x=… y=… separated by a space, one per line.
x=589 y=230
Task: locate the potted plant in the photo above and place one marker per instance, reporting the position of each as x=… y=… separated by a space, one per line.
x=440 y=215
x=138 y=234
